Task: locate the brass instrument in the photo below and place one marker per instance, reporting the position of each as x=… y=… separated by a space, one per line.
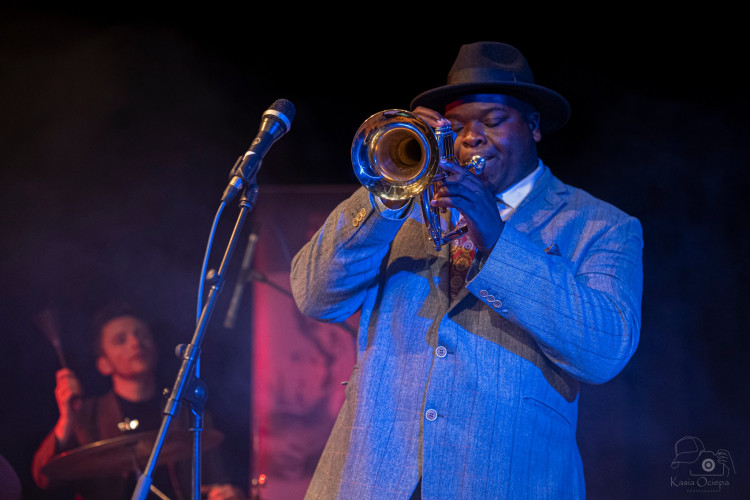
x=396 y=156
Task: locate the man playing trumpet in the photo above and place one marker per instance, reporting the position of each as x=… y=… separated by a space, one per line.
x=470 y=357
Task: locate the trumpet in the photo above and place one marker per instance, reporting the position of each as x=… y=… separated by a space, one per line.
x=396 y=156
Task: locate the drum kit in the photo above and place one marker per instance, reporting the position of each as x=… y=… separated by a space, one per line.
x=121 y=455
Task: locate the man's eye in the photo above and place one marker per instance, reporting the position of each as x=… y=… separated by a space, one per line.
x=494 y=121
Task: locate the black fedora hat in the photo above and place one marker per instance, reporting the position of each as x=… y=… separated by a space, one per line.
x=496 y=68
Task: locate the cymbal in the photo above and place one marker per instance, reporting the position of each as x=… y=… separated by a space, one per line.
x=125 y=454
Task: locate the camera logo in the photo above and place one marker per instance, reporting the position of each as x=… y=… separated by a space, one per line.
x=700 y=469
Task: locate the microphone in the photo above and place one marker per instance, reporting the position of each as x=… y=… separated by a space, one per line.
x=276 y=121
x=239 y=287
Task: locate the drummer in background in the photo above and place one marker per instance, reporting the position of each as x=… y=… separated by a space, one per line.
x=126 y=353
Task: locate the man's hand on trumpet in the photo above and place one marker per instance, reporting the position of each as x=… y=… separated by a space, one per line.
x=467 y=193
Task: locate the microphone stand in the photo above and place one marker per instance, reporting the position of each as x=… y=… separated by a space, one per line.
x=188 y=387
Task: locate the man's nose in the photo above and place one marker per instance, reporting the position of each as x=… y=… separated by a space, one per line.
x=135 y=340
x=472 y=135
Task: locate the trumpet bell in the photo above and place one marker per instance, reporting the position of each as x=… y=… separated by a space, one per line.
x=395 y=154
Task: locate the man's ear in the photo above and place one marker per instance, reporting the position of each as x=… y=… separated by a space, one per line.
x=104 y=366
x=534 y=119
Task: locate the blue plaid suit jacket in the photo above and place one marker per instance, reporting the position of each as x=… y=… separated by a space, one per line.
x=478 y=396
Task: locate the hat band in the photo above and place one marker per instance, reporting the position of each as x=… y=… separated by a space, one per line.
x=506 y=100
x=486 y=75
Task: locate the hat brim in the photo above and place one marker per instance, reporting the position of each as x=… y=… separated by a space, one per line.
x=553 y=108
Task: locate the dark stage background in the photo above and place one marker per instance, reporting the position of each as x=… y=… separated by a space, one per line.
x=117 y=134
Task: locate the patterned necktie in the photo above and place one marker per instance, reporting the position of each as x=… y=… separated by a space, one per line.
x=462 y=252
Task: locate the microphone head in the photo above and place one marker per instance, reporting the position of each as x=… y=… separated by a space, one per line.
x=284 y=110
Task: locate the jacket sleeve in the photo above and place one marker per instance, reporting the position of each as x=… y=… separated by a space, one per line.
x=42 y=456
x=584 y=312
x=332 y=273
x=47 y=450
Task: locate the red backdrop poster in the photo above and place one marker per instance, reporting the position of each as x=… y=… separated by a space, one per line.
x=300 y=363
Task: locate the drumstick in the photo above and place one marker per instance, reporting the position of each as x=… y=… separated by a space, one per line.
x=48 y=323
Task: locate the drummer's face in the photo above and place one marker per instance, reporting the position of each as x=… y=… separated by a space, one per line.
x=127 y=348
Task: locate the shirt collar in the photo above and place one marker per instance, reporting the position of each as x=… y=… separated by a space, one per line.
x=514 y=195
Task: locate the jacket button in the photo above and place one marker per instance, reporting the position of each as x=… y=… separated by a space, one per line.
x=483 y=293
x=430 y=415
x=441 y=351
